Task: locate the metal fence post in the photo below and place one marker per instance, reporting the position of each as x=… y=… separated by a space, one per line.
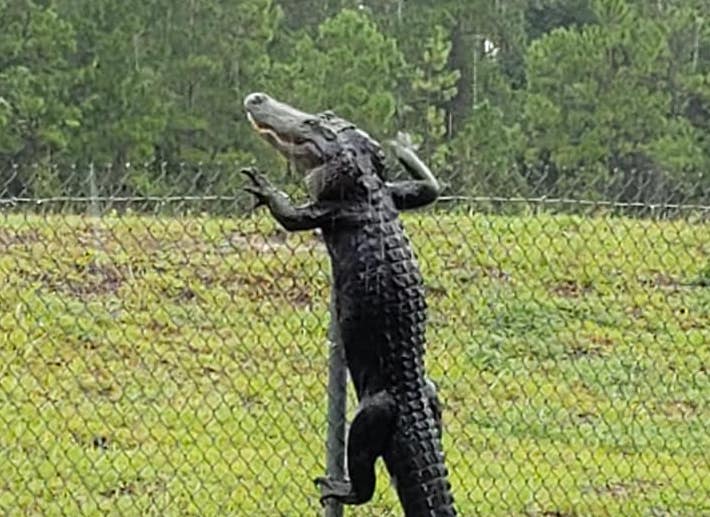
x=337 y=395
x=94 y=209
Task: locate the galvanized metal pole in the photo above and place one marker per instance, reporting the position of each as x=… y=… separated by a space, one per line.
x=94 y=209
x=337 y=395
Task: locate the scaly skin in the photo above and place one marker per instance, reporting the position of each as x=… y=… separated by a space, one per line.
x=378 y=293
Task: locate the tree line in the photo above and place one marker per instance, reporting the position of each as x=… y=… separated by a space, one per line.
x=591 y=98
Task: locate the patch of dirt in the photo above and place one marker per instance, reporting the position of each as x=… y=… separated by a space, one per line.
x=261 y=288
x=267 y=243
x=625 y=489
x=585 y=417
x=571 y=289
x=681 y=409
x=635 y=312
x=497 y=273
x=180 y=294
x=90 y=280
x=661 y=280
x=10 y=239
x=133 y=487
x=93 y=236
x=467 y=275
x=593 y=346
x=550 y=513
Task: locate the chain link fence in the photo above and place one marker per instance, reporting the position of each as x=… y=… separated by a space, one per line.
x=164 y=350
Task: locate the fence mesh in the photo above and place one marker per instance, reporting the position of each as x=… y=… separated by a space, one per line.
x=166 y=353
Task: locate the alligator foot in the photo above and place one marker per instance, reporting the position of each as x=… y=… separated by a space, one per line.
x=339 y=490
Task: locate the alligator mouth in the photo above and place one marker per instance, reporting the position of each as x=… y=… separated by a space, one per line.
x=269 y=132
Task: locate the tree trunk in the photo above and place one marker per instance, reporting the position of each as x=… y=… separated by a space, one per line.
x=461 y=58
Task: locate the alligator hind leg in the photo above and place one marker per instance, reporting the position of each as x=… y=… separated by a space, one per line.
x=369 y=433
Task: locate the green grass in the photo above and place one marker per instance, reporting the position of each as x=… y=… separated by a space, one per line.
x=177 y=366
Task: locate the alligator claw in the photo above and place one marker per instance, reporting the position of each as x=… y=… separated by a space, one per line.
x=333 y=489
x=261 y=189
x=255 y=176
x=260 y=198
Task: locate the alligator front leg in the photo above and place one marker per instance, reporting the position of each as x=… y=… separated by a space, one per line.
x=292 y=218
x=369 y=434
x=413 y=193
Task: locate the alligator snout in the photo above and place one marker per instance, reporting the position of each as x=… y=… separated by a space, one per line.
x=254 y=99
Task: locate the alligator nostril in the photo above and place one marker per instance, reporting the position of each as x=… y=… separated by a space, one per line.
x=254 y=99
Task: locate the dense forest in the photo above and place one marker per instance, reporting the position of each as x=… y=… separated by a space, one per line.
x=590 y=98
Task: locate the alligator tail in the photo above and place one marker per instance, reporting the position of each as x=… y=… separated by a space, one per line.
x=416 y=462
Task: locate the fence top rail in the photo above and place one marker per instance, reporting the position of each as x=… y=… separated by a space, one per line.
x=543 y=200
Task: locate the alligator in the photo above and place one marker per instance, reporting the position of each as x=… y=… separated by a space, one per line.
x=378 y=295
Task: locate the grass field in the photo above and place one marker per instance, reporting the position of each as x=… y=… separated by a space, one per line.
x=178 y=366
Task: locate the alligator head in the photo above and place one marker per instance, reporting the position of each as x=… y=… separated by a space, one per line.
x=339 y=160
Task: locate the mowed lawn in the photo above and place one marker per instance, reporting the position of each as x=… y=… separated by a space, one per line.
x=177 y=366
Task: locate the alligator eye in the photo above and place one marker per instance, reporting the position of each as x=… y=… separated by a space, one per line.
x=328 y=133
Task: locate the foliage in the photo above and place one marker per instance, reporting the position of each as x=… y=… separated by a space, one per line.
x=37 y=117
x=487 y=147
x=590 y=97
x=177 y=366
x=600 y=98
x=435 y=85
x=351 y=52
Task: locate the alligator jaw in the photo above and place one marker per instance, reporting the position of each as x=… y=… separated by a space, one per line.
x=267 y=132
